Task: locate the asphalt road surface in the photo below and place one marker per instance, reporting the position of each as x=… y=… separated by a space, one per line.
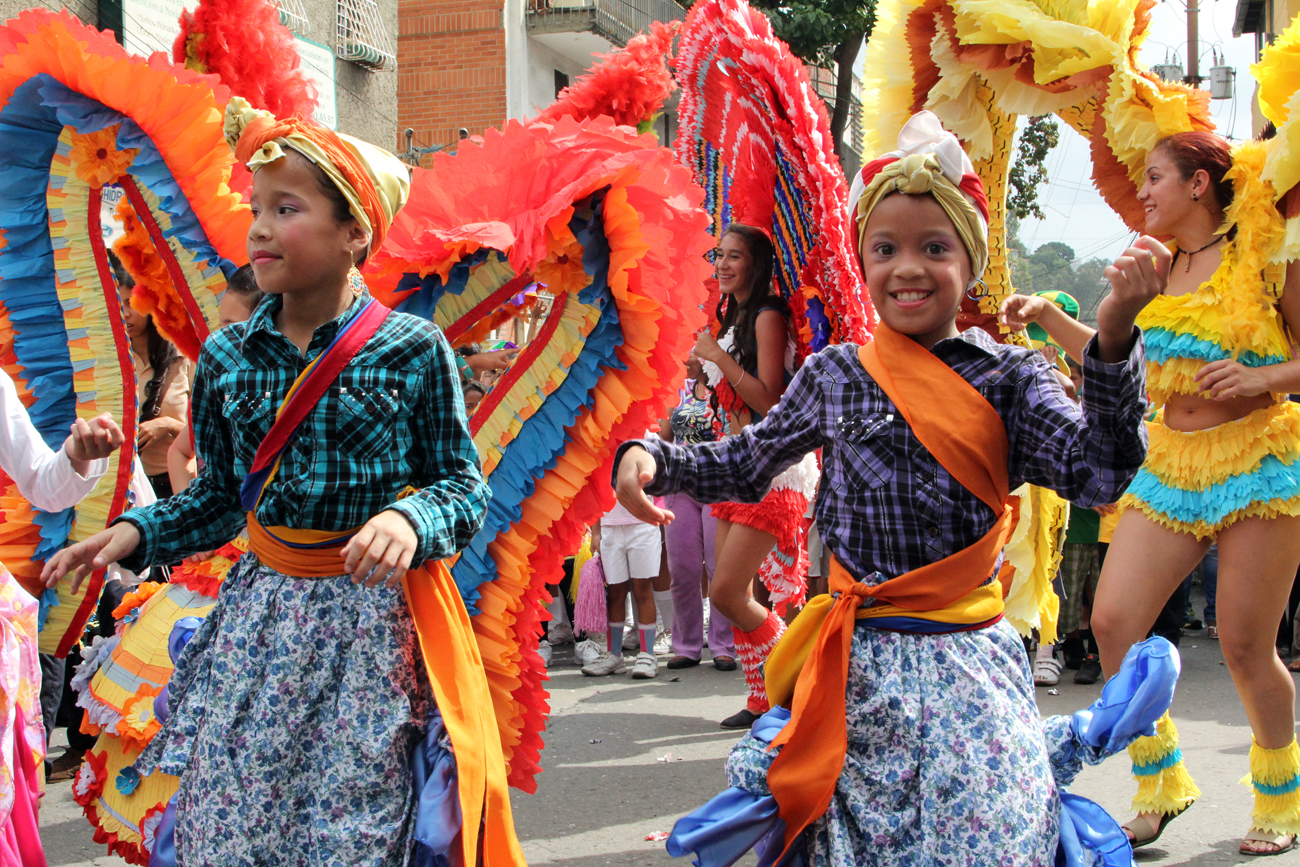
x=626 y=758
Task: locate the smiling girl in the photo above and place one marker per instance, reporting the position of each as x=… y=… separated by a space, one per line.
x=1222 y=466
x=914 y=737
x=297 y=707
x=748 y=368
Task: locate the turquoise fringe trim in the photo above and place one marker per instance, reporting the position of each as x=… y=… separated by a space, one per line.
x=1162 y=346
x=1150 y=770
x=1271 y=480
x=1281 y=789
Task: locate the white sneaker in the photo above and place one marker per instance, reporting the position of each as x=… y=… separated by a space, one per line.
x=645 y=667
x=631 y=638
x=586 y=652
x=559 y=634
x=544 y=651
x=605 y=666
x=663 y=642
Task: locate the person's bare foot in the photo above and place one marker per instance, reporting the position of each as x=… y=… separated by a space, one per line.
x=1258 y=842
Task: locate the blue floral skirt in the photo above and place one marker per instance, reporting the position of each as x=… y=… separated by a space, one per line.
x=294 y=712
x=947 y=763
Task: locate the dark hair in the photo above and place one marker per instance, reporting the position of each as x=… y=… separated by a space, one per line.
x=244 y=285
x=743 y=316
x=342 y=212
x=472 y=385
x=1201 y=151
x=468 y=349
x=161 y=354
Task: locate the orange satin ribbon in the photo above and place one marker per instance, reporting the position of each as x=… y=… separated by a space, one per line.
x=966 y=436
x=459 y=682
x=264 y=129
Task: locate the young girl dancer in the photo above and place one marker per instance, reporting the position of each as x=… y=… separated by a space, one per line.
x=296 y=707
x=914 y=735
x=749 y=367
x=1222 y=464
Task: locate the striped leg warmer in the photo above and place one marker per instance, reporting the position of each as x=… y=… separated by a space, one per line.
x=1275 y=776
x=1164 y=786
x=752 y=649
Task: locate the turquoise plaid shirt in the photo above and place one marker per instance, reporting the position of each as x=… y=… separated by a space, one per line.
x=394 y=417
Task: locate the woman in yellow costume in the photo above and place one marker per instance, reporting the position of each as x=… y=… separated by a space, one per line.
x=1222 y=462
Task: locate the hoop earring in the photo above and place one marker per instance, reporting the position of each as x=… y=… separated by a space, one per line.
x=984 y=293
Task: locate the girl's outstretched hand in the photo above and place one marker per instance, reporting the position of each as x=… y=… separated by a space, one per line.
x=1137 y=278
x=1020 y=310
x=635 y=470
x=93 y=554
x=92 y=440
x=380 y=550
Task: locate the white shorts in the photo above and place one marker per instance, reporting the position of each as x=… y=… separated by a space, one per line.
x=629 y=551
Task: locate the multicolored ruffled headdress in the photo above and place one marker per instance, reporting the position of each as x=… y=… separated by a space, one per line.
x=930 y=160
x=374 y=181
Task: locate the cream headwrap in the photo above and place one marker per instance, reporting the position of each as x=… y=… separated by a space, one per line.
x=930 y=160
x=374 y=181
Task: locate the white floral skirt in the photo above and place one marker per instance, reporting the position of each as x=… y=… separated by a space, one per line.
x=948 y=759
x=294 y=712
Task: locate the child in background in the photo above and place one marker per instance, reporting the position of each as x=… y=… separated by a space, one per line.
x=237 y=305
x=629 y=550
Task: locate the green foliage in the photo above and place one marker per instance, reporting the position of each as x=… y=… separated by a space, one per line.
x=814 y=29
x=1052 y=267
x=1029 y=171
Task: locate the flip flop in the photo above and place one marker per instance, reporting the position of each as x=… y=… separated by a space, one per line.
x=1165 y=819
x=1294 y=665
x=1283 y=842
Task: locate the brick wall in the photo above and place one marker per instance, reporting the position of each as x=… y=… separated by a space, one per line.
x=451 y=60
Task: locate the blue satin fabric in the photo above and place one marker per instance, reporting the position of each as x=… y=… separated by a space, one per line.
x=723 y=830
x=438 y=818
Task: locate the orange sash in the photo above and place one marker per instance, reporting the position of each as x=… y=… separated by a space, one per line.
x=966 y=436
x=459 y=682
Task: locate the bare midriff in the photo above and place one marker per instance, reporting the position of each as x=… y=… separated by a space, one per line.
x=1187 y=412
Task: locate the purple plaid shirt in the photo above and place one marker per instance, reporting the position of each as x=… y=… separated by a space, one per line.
x=885 y=505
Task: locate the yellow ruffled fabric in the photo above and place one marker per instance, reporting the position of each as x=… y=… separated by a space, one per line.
x=1275 y=813
x=1031 y=558
x=1195 y=460
x=1277 y=72
x=99 y=388
x=1172 y=789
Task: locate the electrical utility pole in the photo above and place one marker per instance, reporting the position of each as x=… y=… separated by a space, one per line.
x=1193 y=47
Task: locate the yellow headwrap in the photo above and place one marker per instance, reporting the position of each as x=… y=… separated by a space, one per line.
x=929 y=160
x=374 y=181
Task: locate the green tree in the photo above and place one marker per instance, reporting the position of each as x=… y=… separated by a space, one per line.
x=1029 y=171
x=825 y=33
x=1050 y=268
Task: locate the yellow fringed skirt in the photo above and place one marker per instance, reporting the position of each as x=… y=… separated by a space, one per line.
x=1199 y=482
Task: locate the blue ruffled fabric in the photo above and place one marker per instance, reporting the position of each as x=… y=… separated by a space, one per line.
x=30 y=124
x=723 y=830
x=542 y=438
x=1163 y=345
x=430 y=289
x=1271 y=480
x=433 y=777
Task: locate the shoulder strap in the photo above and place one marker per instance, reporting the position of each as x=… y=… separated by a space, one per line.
x=950 y=418
x=303 y=396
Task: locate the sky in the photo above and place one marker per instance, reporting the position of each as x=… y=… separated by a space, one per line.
x=1073 y=210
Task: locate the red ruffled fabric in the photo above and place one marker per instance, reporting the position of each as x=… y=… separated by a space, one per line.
x=243 y=43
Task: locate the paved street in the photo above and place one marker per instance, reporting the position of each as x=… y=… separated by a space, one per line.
x=658 y=753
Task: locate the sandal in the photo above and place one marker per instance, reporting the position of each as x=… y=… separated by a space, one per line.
x=1137 y=842
x=1280 y=842
x=1212 y=631
x=1294 y=665
x=1047 y=671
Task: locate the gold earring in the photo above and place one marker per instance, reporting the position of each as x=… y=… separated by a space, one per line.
x=356 y=282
